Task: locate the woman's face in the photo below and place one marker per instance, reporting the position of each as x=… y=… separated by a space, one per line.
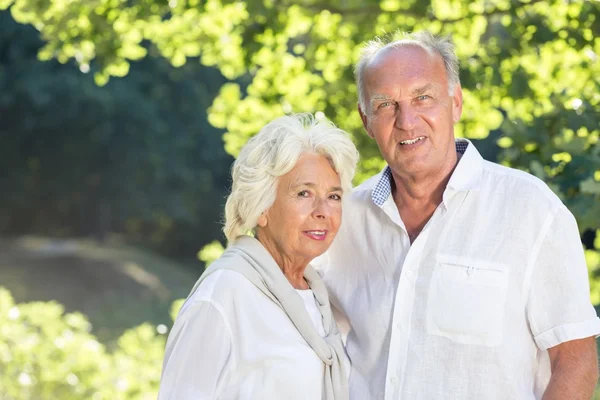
x=306 y=214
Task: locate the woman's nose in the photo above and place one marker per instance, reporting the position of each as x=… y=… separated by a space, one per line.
x=322 y=209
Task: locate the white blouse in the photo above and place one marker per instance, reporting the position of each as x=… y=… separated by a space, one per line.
x=230 y=342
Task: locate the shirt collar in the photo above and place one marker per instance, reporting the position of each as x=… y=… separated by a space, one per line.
x=466 y=175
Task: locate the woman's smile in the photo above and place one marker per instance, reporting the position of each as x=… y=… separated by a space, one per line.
x=316 y=234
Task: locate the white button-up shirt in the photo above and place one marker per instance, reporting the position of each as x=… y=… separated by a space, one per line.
x=468 y=311
x=231 y=342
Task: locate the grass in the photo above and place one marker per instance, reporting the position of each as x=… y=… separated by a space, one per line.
x=115 y=285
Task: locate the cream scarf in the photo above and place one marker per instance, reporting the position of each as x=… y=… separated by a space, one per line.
x=248 y=257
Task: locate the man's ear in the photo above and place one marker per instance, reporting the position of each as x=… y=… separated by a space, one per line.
x=365 y=122
x=457 y=103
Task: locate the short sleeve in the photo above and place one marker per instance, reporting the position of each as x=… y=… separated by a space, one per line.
x=197 y=356
x=559 y=307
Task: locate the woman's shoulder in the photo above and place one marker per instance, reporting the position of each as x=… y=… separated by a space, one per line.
x=222 y=284
x=223 y=290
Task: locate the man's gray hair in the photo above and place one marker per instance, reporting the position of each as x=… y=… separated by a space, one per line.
x=274 y=152
x=440 y=45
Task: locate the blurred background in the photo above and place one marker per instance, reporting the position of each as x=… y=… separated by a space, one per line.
x=119 y=121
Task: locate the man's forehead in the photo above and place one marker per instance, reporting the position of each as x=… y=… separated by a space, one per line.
x=409 y=66
x=402 y=52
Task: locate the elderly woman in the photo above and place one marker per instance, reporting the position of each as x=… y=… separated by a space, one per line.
x=258 y=324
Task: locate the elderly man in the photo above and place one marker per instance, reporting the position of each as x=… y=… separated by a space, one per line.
x=460 y=278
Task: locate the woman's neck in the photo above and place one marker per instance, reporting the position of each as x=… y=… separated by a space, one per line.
x=293 y=270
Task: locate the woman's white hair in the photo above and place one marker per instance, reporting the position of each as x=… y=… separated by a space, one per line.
x=274 y=152
x=436 y=44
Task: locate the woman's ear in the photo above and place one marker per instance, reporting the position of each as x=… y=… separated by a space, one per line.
x=262 y=220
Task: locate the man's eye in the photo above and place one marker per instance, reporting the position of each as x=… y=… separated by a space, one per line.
x=423 y=97
x=385 y=104
x=335 y=196
x=303 y=193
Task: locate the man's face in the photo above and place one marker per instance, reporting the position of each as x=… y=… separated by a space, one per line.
x=410 y=113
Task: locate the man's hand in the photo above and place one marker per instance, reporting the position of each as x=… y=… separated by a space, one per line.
x=574 y=370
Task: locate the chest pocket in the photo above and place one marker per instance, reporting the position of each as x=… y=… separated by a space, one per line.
x=466 y=300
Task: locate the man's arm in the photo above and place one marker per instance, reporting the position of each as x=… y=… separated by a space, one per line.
x=560 y=314
x=574 y=370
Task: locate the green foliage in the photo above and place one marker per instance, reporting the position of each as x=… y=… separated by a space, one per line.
x=175 y=308
x=134 y=156
x=593 y=261
x=47 y=354
x=210 y=252
x=528 y=75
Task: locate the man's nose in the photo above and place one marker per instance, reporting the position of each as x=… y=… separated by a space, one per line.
x=406 y=117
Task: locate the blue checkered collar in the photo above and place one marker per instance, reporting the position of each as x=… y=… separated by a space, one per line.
x=464 y=177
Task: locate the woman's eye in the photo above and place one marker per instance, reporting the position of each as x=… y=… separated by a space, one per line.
x=303 y=193
x=335 y=196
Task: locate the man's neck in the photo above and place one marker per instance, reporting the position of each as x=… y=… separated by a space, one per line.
x=417 y=203
x=417 y=197
x=415 y=194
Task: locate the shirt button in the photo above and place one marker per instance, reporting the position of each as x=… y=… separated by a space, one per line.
x=398 y=327
x=394 y=380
